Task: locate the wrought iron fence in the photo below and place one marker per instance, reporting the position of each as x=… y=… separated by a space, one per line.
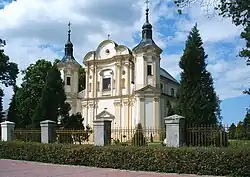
x=74 y=136
x=137 y=137
x=32 y=135
x=217 y=135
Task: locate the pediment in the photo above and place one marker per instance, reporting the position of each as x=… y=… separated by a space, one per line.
x=105 y=115
x=148 y=89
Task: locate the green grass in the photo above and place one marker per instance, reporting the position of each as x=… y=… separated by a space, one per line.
x=239 y=143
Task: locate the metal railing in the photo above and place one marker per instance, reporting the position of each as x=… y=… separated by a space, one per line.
x=32 y=135
x=137 y=137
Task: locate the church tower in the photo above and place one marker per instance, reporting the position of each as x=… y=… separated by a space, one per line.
x=69 y=69
x=147 y=58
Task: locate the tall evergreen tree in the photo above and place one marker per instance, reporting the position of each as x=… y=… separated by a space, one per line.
x=232 y=131
x=197 y=100
x=246 y=123
x=1 y=105
x=52 y=103
x=12 y=112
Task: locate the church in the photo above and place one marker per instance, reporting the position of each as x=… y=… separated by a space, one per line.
x=126 y=86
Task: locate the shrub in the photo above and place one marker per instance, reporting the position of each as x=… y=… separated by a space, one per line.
x=207 y=161
x=138 y=138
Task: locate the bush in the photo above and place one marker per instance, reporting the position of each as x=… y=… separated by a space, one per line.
x=138 y=138
x=207 y=161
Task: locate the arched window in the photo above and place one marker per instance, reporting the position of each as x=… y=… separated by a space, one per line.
x=172 y=92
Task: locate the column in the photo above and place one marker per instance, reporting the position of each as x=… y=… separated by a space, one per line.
x=48 y=134
x=141 y=111
x=117 y=114
x=156 y=113
x=175 y=131
x=125 y=113
x=7 y=131
x=118 y=78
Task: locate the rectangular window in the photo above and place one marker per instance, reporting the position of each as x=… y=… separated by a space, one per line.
x=68 y=81
x=106 y=84
x=161 y=85
x=149 y=70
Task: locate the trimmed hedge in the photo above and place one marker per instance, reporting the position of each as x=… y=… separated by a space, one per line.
x=207 y=161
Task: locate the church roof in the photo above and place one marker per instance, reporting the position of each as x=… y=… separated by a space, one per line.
x=147 y=39
x=165 y=74
x=68 y=51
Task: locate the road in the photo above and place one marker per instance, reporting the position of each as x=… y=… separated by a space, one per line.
x=13 y=168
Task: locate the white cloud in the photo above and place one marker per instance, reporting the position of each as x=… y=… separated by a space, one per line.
x=28 y=24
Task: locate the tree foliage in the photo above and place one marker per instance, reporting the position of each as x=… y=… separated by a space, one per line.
x=197 y=100
x=232 y=131
x=28 y=95
x=239 y=12
x=8 y=74
x=82 y=79
x=12 y=112
x=53 y=100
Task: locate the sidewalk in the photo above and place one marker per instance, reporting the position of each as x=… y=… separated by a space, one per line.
x=13 y=168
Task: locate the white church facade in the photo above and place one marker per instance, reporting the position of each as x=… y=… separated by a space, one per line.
x=129 y=85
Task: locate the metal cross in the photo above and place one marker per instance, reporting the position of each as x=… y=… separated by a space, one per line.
x=69 y=26
x=147 y=2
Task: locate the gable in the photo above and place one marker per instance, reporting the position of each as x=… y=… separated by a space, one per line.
x=105 y=115
x=148 y=89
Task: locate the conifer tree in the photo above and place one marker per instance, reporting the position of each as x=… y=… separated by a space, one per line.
x=232 y=131
x=12 y=112
x=197 y=100
x=52 y=103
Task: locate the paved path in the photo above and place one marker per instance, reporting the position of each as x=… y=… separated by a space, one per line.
x=13 y=168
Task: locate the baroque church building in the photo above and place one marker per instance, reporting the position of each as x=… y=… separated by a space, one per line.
x=124 y=85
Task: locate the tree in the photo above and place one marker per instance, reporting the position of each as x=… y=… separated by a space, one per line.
x=12 y=112
x=28 y=95
x=246 y=124
x=75 y=121
x=82 y=79
x=138 y=138
x=232 y=131
x=197 y=100
x=8 y=74
x=240 y=131
x=1 y=105
x=52 y=102
x=170 y=109
x=239 y=12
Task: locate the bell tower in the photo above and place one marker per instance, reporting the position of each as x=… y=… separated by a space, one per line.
x=147 y=58
x=69 y=69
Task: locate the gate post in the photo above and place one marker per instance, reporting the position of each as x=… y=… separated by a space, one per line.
x=175 y=131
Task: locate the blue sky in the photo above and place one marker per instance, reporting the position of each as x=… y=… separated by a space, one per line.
x=37 y=29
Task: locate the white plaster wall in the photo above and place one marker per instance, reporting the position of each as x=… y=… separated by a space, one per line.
x=139 y=72
x=149 y=113
x=102 y=51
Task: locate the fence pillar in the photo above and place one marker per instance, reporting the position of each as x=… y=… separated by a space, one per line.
x=102 y=132
x=175 y=131
x=48 y=134
x=7 y=130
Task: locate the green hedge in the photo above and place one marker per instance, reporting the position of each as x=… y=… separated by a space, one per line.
x=208 y=161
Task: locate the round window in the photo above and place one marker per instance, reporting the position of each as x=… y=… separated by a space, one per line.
x=107 y=51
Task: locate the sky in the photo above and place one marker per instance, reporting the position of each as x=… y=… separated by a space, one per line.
x=37 y=29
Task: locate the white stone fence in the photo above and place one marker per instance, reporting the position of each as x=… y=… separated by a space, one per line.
x=175 y=132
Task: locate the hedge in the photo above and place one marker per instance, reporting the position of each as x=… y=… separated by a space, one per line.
x=207 y=161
